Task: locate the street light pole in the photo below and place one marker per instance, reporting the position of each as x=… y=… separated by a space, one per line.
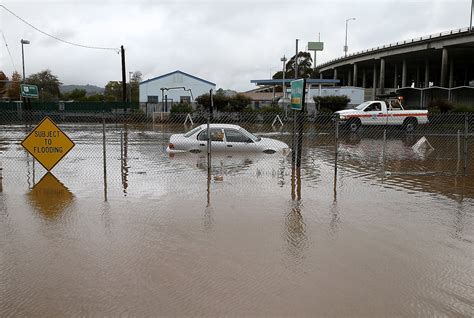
x=470 y=23
x=130 y=87
x=23 y=55
x=283 y=59
x=345 y=46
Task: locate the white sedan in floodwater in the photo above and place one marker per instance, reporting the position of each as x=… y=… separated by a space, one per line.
x=224 y=137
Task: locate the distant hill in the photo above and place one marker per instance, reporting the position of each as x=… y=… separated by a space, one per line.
x=90 y=89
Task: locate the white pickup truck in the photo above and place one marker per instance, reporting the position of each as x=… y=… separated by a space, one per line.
x=382 y=113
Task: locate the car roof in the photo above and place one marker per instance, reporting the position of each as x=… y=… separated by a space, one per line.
x=221 y=126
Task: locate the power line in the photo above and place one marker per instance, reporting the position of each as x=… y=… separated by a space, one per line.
x=8 y=49
x=56 y=38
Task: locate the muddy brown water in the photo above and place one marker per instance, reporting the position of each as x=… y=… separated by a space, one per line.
x=393 y=237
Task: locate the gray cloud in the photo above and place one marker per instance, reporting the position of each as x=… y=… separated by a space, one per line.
x=227 y=42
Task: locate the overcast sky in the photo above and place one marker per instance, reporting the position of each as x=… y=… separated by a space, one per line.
x=227 y=42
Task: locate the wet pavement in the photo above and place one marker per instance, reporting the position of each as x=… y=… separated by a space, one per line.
x=393 y=237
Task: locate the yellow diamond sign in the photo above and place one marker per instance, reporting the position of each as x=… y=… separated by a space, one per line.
x=47 y=143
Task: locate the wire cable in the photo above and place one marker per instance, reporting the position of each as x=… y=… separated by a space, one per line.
x=8 y=49
x=59 y=39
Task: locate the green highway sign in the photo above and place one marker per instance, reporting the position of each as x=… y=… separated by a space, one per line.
x=315 y=46
x=297 y=94
x=30 y=91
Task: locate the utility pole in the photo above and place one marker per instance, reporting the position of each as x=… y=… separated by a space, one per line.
x=124 y=79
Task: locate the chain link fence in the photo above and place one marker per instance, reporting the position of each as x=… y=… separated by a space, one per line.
x=115 y=150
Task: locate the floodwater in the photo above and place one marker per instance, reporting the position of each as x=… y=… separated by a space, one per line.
x=392 y=237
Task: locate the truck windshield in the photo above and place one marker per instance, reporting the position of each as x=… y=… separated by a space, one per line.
x=362 y=106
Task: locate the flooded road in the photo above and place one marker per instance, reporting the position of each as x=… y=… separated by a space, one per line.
x=393 y=237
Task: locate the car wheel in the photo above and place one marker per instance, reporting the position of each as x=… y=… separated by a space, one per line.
x=354 y=125
x=410 y=124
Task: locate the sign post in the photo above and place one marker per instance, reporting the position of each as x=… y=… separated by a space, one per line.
x=47 y=143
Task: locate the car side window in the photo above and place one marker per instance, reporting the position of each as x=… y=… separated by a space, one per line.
x=216 y=134
x=233 y=135
x=373 y=107
x=369 y=108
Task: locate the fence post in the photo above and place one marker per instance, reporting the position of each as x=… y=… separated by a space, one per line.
x=459 y=151
x=209 y=115
x=336 y=151
x=105 y=156
x=384 y=149
x=466 y=130
x=121 y=153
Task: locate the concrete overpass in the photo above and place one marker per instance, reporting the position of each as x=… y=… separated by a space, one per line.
x=443 y=60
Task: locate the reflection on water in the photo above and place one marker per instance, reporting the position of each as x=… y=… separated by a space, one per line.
x=295 y=231
x=49 y=196
x=246 y=236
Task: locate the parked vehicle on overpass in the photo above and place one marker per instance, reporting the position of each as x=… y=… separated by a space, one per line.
x=382 y=113
x=224 y=138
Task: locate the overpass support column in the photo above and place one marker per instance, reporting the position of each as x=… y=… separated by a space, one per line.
x=404 y=73
x=349 y=78
x=335 y=75
x=444 y=68
x=427 y=73
x=395 y=76
x=354 y=73
x=417 y=83
x=364 y=78
x=374 y=82
x=451 y=73
x=382 y=75
x=320 y=86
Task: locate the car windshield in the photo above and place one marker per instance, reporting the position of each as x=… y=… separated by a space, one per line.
x=192 y=132
x=362 y=106
x=251 y=136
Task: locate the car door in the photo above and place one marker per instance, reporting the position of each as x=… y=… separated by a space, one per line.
x=217 y=140
x=374 y=114
x=237 y=141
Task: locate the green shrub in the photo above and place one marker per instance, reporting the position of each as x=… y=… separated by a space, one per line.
x=463 y=108
x=274 y=109
x=249 y=109
x=332 y=103
x=181 y=108
x=440 y=106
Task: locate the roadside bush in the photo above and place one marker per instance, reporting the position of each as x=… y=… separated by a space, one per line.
x=223 y=103
x=181 y=108
x=331 y=103
x=440 y=106
x=249 y=109
x=238 y=102
x=463 y=108
x=273 y=109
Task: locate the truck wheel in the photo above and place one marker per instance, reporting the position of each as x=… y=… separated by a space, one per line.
x=410 y=124
x=354 y=125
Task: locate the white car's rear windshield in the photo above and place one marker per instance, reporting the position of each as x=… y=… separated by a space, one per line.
x=192 y=132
